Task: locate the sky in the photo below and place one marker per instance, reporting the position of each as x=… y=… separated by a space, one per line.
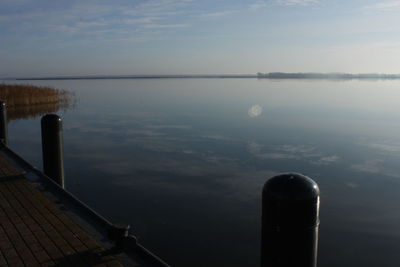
x=133 y=37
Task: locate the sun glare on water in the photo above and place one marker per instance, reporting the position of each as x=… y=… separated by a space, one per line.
x=255 y=111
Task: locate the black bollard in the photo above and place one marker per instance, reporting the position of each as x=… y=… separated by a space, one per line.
x=3 y=123
x=290 y=219
x=52 y=148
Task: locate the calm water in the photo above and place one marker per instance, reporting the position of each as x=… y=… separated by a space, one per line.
x=184 y=160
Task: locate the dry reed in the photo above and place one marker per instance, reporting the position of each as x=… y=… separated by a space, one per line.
x=27 y=101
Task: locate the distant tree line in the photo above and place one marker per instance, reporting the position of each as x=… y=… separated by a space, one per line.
x=315 y=75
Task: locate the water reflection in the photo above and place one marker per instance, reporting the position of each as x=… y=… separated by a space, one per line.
x=29 y=101
x=187 y=163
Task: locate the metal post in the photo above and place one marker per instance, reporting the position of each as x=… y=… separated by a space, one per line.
x=3 y=123
x=52 y=148
x=290 y=219
x=119 y=233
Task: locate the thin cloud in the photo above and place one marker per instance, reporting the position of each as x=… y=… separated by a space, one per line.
x=95 y=18
x=298 y=2
x=258 y=5
x=385 y=5
x=140 y=20
x=217 y=14
x=381 y=53
x=166 y=26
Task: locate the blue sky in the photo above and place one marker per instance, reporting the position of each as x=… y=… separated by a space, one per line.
x=70 y=37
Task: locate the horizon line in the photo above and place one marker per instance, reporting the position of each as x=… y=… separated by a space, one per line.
x=271 y=75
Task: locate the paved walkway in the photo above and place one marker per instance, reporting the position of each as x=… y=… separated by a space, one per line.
x=34 y=232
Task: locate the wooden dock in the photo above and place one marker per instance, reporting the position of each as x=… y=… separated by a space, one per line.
x=39 y=227
x=34 y=232
x=42 y=224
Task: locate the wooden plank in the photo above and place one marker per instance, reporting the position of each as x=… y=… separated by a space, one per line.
x=35 y=232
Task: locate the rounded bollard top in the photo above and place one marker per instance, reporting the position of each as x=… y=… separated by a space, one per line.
x=2 y=103
x=52 y=121
x=291 y=187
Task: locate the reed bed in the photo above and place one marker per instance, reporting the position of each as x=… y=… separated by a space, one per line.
x=28 y=101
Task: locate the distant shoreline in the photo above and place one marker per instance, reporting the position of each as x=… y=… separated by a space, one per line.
x=270 y=75
x=111 y=77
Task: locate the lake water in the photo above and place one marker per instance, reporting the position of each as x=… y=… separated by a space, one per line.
x=184 y=161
